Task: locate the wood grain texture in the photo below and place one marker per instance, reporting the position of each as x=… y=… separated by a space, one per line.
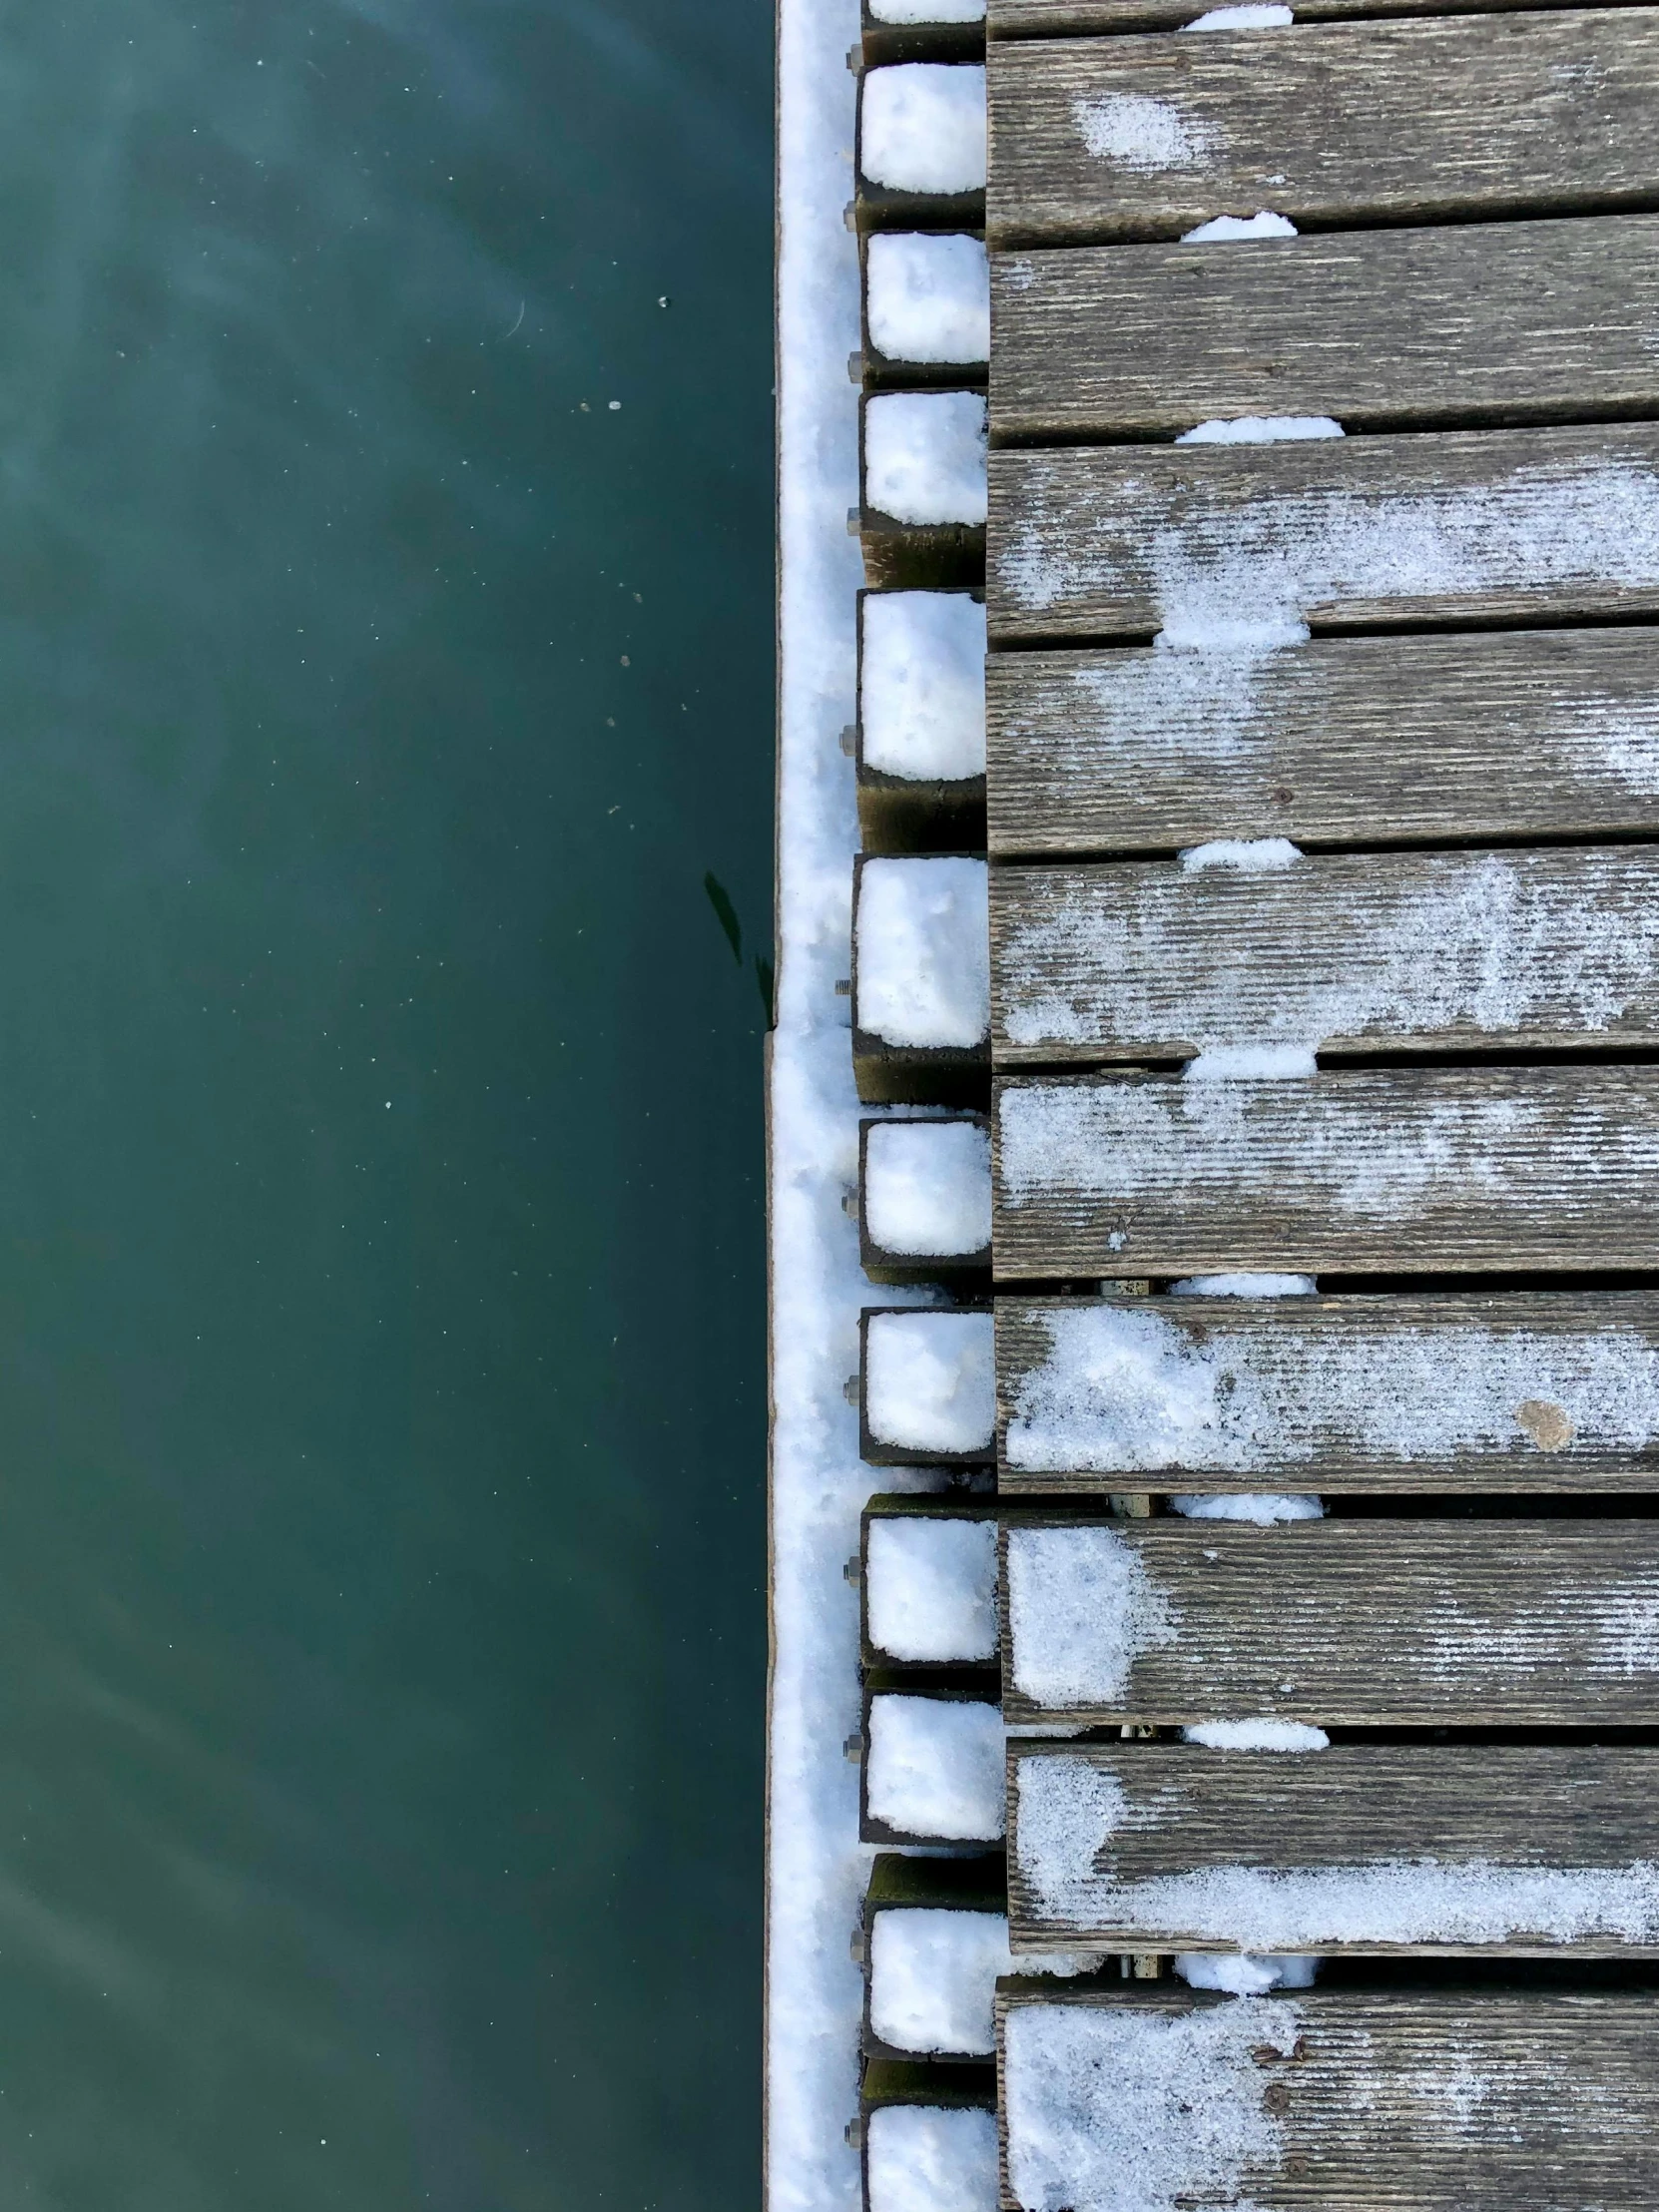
x=1522 y=1391
x=1418 y=120
x=1022 y=19
x=1537 y=949
x=1353 y=1623
x=1374 y=740
x=1372 y=2099
x=1425 y=329
x=1379 y=1170
x=1472 y=527
x=1188 y=1811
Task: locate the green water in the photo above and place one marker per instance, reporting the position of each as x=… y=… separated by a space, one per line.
x=382 y=1397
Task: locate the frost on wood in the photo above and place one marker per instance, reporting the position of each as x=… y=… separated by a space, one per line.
x=931 y=2158
x=931 y=1588
x=1145 y=136
x=1490 y=945
x=922 y=940
x=1121 y=1392
x=928 y=1188
x=933 y=1768
x=922 y=127
x=1127 y=2110
x=921 y=684
x=934 y=1975
x=1081 y=1609
x=929 y=296
x=924 y=456
x=931 y=1383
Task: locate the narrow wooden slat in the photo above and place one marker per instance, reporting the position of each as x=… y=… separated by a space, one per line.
x=1519 y=732
x=1526 y=1390
x=1413 y=121
x=1479 y=526
x=1184 y=1835
x=1380 y=1171
x=1538 y=949
x=1383 y=329
x=1032 y=19
x=1333 y=1623
x=1406 y=2099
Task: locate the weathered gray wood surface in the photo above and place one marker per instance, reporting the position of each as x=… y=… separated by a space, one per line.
x=1388 y=2098
x=1017 y=19
x=1186 y=1812
x=1371 y=740
x=1385 y=329
x=1352 y=1172
x=1522 y=1391
x=1474 y=526
x=1411 y=121
x=1338 y=1623
x=1127 y=960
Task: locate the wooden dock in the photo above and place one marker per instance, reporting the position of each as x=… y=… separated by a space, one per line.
x=1268 y=412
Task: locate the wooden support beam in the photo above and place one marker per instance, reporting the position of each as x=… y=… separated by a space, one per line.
x=1531 y=950
x=1423 y=120
x=1340 y=740
x=1380 y=1171
x=1360 y=1850
x=1332 y=1623
x=1522 y=1391
x=1428 y=328
x=1467 y=527
x=1410 y=2098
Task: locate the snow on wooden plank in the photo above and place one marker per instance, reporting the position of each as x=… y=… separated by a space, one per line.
x=1526 y=1391
x=1380 y=329
x=1339 y=740
x=1346 y=1171
x=1419 y=120
x=1253 y=947
x=1409 y=2097
x=1332 y=1623
x=1022 y=19
x=1233 y=551
x=1357 y=1849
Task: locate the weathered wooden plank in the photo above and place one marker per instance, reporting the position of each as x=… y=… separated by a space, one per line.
x=1022 y=19
x=1357 y=1850
x=1375 y=741
x=1419 y=120
x=1332 y=1623
x=1536 y=950
x=1526 y=1390
x=1235 y=546
x=1407 y=2099
x=1380 y=1171
x=1423 y=328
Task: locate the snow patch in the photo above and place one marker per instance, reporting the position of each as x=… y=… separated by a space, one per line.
x=1250 y=1063
x=1241 y=1976
x=922 y=127
x=921 y=684
x=1261 y=429
x=1262 y=1509
x=927 y=296
x=1230 y=228
x=933 y=1768
x=1257 y=1736
x=923 y=950
x=1143 y=135
x=931 y=1382
x=933 y=1975
x=1245 y=15
x=1081 y=1609
x=1245 y=1286
x=1245 y=855
x=933 y=2158
x=927 y=11
x=931 y=1588
x=924 y=456
x=928 y=1188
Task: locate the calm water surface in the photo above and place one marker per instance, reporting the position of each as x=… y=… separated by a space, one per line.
x=381 y=1405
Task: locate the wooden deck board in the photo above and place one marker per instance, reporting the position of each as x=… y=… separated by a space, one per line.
x=1536 y=950
x=1415 y=120
x=1046 y=19
x=1343 y=741
x=1371 y=2099
x=1468 y=527
x=1332 y=1623
x=1526 y=1391
x=1191 y=1821
x=1383 y=329
x=1348 y=1170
